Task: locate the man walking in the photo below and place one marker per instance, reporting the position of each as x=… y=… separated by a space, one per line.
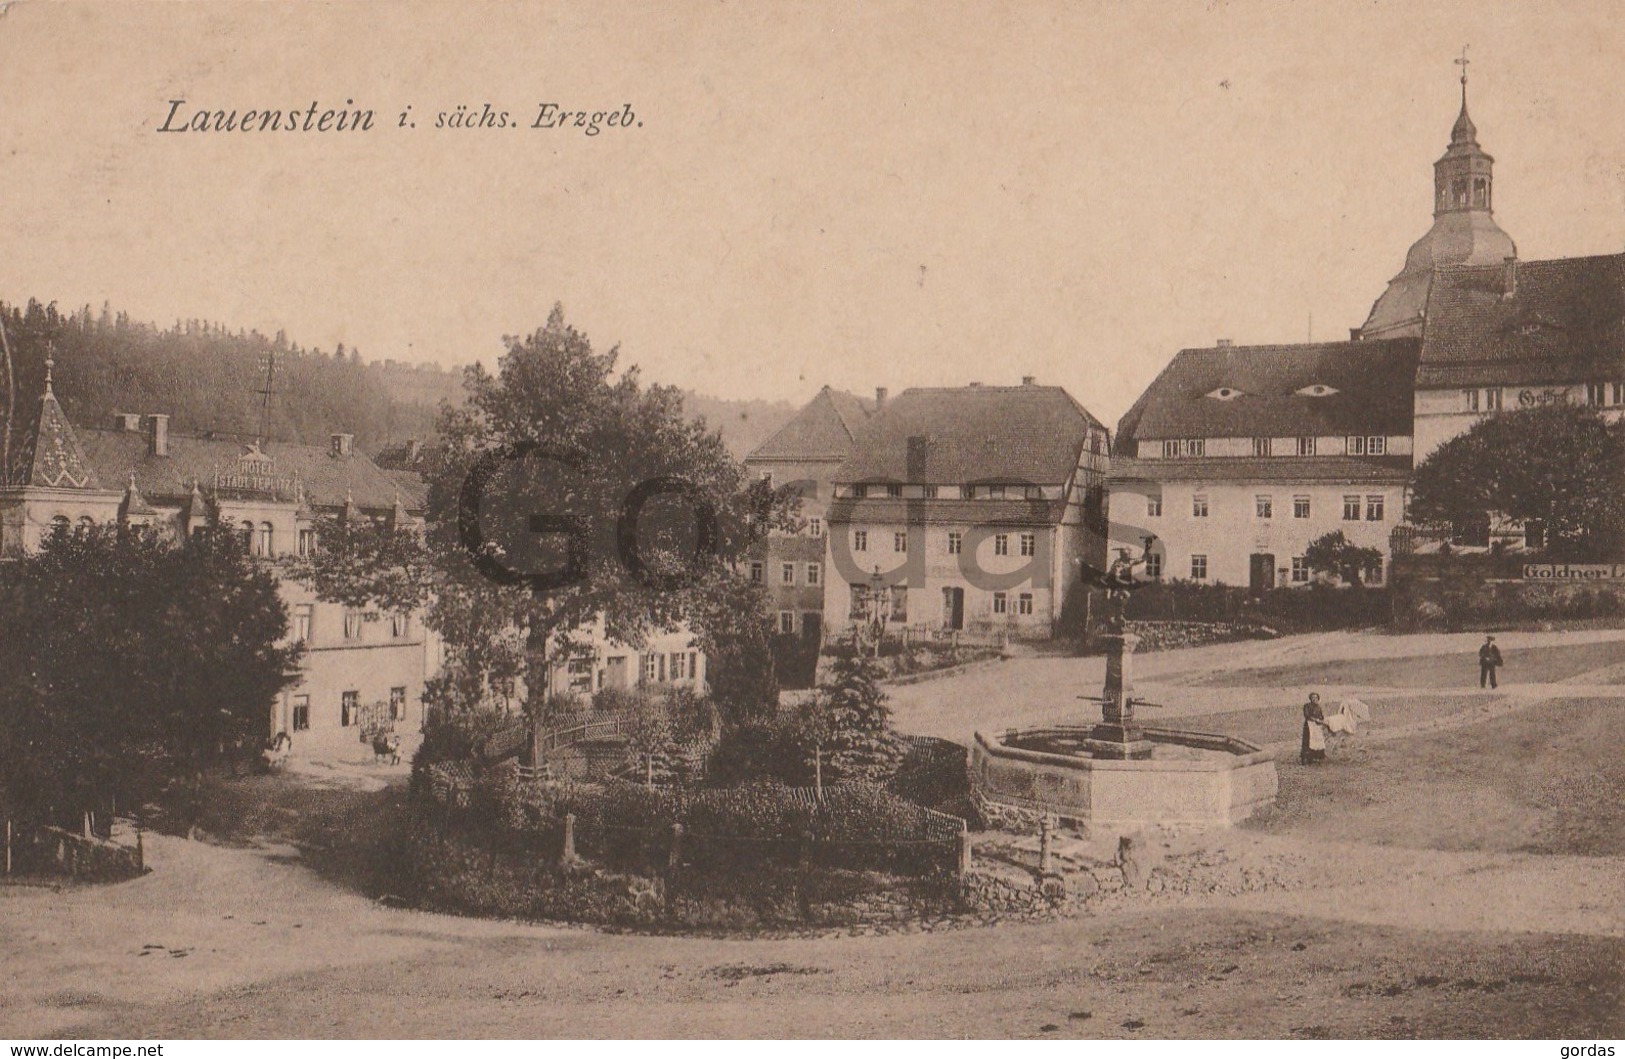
x=1489 y=660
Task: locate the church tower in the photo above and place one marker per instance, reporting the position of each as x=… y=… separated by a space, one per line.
x=1464 y=231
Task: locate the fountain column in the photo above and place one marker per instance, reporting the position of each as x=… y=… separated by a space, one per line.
x=1117 y=735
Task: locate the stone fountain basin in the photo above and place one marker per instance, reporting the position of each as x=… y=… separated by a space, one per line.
x=1191 y=779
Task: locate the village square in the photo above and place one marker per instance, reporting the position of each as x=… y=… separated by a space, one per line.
x=547 y=695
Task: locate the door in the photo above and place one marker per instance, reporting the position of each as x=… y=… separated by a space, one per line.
x=953 y=609
x=615 y=675
x=1261 y=576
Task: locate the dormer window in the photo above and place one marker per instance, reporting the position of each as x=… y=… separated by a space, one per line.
x=1318 y=389
x=1226 y=393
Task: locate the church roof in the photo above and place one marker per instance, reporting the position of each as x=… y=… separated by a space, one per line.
x=822 y=430
x=1535 y=323
x=1030 y=434
x=49 y=454
x=326 y=479
x=1270 y=391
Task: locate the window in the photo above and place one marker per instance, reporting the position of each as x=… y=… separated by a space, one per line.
x=1351 y=509
x=1376 y=445
x=1024 y=603
x=860 y=491
x=1306 y=446
x=1199 y=506
x=247 y=531
x=787 y=573
x=1617 y=393
x=1373 y=509
x=899 y=542
x=86 y=524
x=956 y=542
x=349 y=709
x=1356 y=446
x=1029 y=544
x=787 y=621
x=815 y=527
x=267 y=536
x=1001 y=544
x=1373 y=573
x=860 y=540
x=60 y=527
x=1470 y=400
x=679 y=659
x=1261 y=446
x=814 y=573
x=1300 y=570
x=1596 y=393
x=893 y=489
x=1153 y=566
x=1032 y=492
x=899 y=603
x=302 y=616
x=1300 y=507
x=1175 y=447
x=307 y=542
x=1153 y=505
x=400 y=624
x=1000 y=603
x=1198 y=568
x=301 y=713
x=1264 y=506
x=352 y=624
x=651 y=668
x=928 y=491
x=397 y=704
x=766 y=478
x=756 y=575
x=860 y=602
x=1492 y=400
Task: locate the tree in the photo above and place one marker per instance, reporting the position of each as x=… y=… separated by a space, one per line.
x=648 y=728
x=129 y=662
x=814 y=724
x=1559 y=465
x=861 y=743
x=564 y=495
x=1336 y=556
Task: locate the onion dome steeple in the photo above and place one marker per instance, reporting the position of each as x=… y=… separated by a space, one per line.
x=1464 y=231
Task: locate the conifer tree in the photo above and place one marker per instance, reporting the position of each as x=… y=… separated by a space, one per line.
x=861 y=744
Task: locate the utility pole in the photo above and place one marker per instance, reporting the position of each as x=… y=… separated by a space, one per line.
x=267 y=388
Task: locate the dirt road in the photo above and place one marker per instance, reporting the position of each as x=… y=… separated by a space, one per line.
x=1465 y=881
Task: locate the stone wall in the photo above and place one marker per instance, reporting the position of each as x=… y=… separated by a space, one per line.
x=1487 y=590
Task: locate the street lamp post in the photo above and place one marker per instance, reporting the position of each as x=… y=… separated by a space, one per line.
x=877 y=607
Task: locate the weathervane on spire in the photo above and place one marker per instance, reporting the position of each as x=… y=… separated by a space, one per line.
x=1462 y=62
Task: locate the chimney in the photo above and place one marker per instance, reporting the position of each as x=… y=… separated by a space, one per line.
x=918 y=447
x=412 y=450
x=127 y=422
x=1029 y=380
x=157 y=435
x=975 y=385
x=880 y=398
x=1354 y=334
x=342 y=444
x=1509 y=276
x=1223 y=343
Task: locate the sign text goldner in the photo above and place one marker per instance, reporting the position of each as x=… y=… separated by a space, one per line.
x=1574 y=572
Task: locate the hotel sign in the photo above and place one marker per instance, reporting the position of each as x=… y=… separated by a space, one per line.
x=1574 y=572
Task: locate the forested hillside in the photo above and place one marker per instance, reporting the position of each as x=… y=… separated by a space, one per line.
x=207 y=377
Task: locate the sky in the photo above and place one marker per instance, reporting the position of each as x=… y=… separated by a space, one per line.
x=876 y=194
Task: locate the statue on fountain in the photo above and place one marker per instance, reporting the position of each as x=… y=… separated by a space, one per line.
x=1119 y=581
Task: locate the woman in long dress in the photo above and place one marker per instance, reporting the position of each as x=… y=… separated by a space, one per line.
x=1313 y=749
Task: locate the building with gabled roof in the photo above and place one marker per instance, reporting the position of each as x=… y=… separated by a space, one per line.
x=804 y=452
x=972 y=509
x=361 y=668
x=1236 y=457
